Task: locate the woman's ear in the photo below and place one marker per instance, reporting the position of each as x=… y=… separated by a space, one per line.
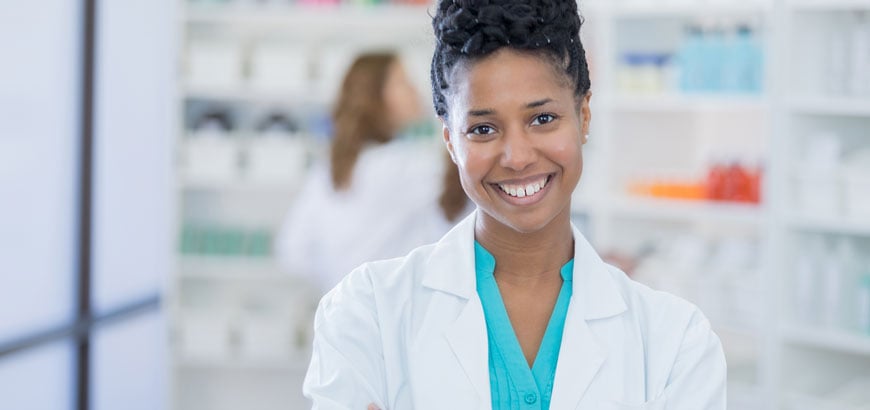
x=445 y=134
x=585 y=116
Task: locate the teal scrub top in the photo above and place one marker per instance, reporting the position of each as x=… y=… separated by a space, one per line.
x=512 y=384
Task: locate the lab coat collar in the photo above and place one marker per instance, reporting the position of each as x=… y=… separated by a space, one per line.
x=452 y=261
x=450 y=268
x=452 y=271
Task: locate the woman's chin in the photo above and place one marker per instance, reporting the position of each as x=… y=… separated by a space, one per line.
x=525 y=222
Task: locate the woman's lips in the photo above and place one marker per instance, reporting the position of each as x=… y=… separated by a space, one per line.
x=526 y=193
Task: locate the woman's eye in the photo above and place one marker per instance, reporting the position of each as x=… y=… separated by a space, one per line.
x=482 y=130
x=543 y=119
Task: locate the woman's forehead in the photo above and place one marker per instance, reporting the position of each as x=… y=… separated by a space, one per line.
x=508 y=77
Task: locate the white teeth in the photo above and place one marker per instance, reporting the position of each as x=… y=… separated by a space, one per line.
x=523 y=191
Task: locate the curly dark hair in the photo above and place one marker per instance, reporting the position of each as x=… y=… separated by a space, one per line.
x=467 y=30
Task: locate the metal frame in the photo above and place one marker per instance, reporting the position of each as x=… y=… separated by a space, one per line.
x=85 y=321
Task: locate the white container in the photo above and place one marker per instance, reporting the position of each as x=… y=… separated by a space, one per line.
x=277 y=159
x=205 y=337
x=214 y=65
x=210 y=159
x=276 y=67
x=856 y=192
x=832 y=289
x=266 y=339
x=818 y=183
x=806 y=301
x=819 y=195
x=862 y=303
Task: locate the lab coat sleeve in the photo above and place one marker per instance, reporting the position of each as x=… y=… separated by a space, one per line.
x=698 y=376
x=347 y=365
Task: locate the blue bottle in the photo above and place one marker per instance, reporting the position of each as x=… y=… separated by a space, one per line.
x=689 y=60
x=749 y=62
x=714 y=59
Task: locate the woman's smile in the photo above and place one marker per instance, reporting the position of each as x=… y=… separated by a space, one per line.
x=524 y=191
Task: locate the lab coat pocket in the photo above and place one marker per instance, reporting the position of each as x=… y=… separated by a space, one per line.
x=656 y=404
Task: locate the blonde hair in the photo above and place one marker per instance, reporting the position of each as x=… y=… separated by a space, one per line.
x=360 y=114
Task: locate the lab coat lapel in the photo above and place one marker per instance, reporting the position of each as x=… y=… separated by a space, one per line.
x=450 y=268
x=595 y=296
x=467 y=337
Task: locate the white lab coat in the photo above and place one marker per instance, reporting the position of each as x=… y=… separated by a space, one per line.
x=409 y=333
x=389 y=209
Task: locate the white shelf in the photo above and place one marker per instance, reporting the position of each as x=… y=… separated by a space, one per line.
x=829 y=5
x=710 y=8
x=229 y=363
x=854 y=107
x=830 y=224
x=281 y=189
x=840 y=341
x=315 y=21
x=733 y=327
x=253 y=276
x=229 y=267
x=689 y=210
x=801 y=401
x=250 y=94
x=690 y=103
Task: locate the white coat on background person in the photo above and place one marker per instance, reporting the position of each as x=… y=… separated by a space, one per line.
x=409 y=333
x=374 y=197
x=389 y=209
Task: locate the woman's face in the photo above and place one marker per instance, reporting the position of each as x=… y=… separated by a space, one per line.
x=516 y=131
x=401 y=98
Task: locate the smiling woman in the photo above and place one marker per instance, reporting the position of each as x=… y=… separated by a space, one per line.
x=513 y=308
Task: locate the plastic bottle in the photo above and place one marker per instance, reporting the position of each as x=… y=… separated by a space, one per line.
x=848 y=256
x=863 y=302
x=859 y=84
x=806 y=302
x=746 y=61
x=714 y=59
x=689 y=60
x=832 y=289
x=838 y=62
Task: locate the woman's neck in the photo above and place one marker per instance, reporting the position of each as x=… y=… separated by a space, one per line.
x=526 y=257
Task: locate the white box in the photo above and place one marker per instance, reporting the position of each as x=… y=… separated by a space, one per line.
x=214 y=65
x=210 y=159
x=279 y=68
x=205 y=336
x=266 y=339
x=277 y=159
x=818 y=195
x=856 y=193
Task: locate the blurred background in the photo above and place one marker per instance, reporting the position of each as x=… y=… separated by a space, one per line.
x=166 y=166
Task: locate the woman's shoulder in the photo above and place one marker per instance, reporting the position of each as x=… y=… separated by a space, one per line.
x=395 y=277
x=658 y=310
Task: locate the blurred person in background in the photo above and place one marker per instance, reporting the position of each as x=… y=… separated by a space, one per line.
x=376 y=197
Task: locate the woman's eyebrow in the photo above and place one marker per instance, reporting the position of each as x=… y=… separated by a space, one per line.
x=536 y=104
x=481 y=113
x=487 y=111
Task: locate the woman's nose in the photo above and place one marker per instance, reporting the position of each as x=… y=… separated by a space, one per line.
x=518 y=152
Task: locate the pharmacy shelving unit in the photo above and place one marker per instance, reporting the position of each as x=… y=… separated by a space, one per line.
x=775 y=361
x=780 y=360
x=240 y=325
x=825 y=119
x=638 y=128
